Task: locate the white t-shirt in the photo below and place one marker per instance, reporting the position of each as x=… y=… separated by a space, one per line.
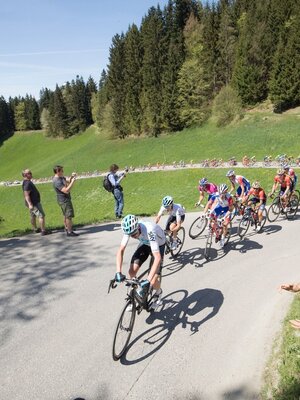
x=177 y=211
x=151 y=235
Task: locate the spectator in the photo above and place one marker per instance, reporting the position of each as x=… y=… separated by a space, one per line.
x=292 y=287
x=33 y=202
x=62 y=187
x=115 y=179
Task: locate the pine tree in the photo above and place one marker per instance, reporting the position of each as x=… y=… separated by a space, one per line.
x=6 y=125
x=194 y=90
x=58 y=121
x=91 y=89
x=133 y=55
x=285 y=78
x=152 y=31
x=20 y=116
x=116 y=84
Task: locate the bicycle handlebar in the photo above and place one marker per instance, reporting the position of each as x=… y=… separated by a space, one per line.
x=129 y=282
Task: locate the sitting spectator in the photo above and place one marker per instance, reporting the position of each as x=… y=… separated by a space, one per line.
x=292 y=287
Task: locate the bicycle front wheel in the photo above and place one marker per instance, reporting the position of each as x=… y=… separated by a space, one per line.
x=243 y=227
x=274 y=210
x=197 y=227
x=124 y=329
x=180 y=241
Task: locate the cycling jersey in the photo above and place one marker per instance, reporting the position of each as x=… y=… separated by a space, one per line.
x=209 y=188
x=241 y=180
x=258 y=194
x=151 y=235
x=284 y=180
x=177 y=211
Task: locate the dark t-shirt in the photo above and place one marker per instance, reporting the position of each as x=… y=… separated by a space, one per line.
x=58 y=184
x=34 y=194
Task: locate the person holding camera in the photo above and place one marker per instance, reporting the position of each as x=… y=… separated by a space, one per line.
x=115 y=178
x=62 y=187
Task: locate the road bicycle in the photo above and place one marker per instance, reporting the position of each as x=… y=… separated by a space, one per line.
x=215 y=231
x=134 y=304
x=250 y=217
x=287 y=208
x=179 y=242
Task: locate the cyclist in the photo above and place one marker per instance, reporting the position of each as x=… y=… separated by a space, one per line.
x=176 y=217
x=291 y=172
x=241 y=181
x=206 y=187
x=152 y=240
x=222 y=204
x=257 y=200
x=286 y=185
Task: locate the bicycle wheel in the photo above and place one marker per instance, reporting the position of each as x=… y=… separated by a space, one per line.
x=292 y=206
x=124 y=330
x=208 y=244
x=274 y=210
x=243 y=227
x=264 y=218
x=197 y=227
x=227 y=238
x=180 y=241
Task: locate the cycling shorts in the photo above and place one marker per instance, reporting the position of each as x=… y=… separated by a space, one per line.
x=142 y=253
x=172 y=219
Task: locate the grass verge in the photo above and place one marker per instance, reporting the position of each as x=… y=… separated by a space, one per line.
x=282 y=381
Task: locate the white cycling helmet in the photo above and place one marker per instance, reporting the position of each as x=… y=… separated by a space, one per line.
x=203 y=181
x=223 y=188
x=256 y=185
x=130 y=224
x=167 y=201
x=230 y=173
x=280 y=171
x=286 y=166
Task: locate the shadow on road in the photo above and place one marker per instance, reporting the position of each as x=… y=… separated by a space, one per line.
x=178 y=308
x=30 y=271
x=110 y=227
x=191 y=256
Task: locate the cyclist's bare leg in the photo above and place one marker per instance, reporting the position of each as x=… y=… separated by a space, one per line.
x=174 y=229
x=133 y=270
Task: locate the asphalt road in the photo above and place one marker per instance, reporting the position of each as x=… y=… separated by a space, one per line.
x=209 y=341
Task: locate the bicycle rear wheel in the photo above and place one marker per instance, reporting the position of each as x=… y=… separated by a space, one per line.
x=274 y=210
x=292 y=206
x=197 y=227
x=208 y=245
x=124 y=330
x=180 y=241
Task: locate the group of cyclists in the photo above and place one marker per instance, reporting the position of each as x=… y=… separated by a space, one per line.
x=221 y=201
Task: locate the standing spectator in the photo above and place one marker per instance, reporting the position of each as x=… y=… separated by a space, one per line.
x=33 y=202
x=62 y=187
x=115 y=179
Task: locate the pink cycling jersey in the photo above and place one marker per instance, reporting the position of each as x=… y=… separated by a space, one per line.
x=209 y=188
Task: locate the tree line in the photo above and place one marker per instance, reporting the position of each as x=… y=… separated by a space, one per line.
x=184 y=62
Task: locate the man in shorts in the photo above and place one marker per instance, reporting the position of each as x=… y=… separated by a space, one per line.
x=62 y=187
x=152 y=241
x=33 y=202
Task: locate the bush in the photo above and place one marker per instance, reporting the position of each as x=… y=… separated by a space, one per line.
x=227 y=106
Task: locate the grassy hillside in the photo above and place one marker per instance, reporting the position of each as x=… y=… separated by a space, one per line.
x=258 y=134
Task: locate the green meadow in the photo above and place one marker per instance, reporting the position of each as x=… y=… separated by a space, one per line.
x=257 y=134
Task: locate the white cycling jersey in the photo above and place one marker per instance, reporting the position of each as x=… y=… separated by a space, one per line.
x=177 y=211
x=151 y=235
